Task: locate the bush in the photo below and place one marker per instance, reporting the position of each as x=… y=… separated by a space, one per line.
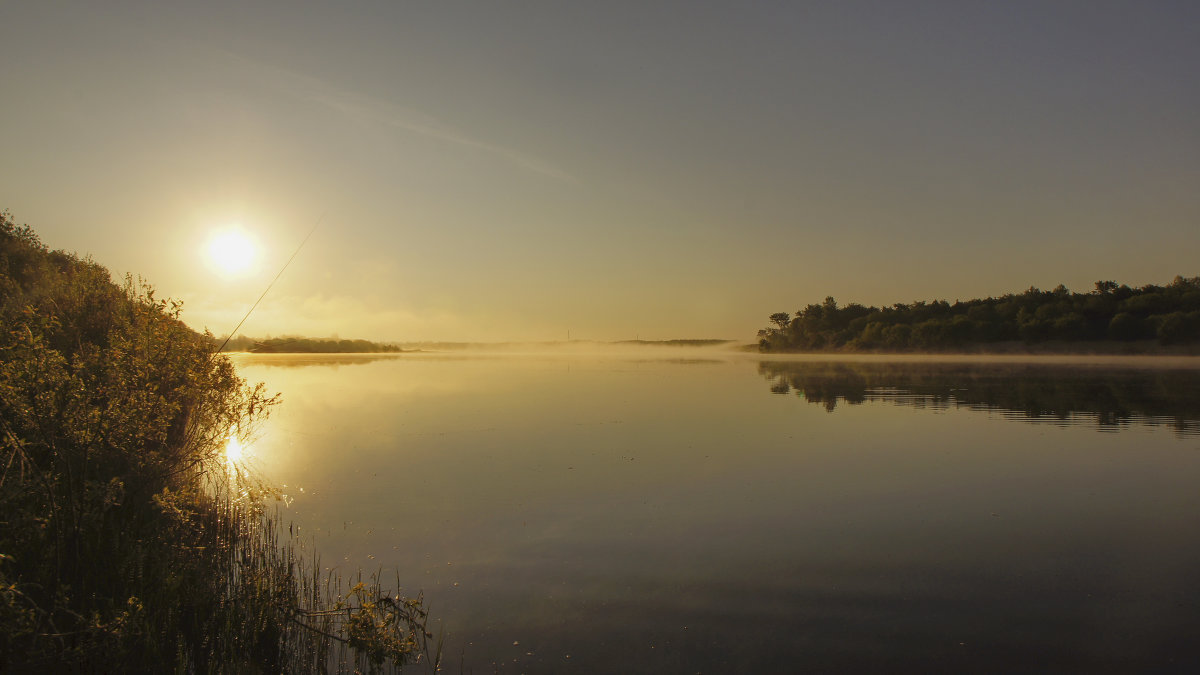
x=1125 y=326
x=126 y=544
x=1178 y=327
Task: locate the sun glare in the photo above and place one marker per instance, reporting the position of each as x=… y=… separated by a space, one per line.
x=234 y=452
x=232 y=252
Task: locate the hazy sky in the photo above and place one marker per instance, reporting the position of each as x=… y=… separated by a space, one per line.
x=512 y=170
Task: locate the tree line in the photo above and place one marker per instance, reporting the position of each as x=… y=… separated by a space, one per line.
x=1111 y=311
x=301 y=345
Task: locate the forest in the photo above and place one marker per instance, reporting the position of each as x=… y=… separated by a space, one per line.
x=1110 y=313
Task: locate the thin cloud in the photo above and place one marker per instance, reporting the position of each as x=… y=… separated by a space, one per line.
x=372 y=110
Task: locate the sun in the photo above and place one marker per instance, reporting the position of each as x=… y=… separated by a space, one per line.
x=232 y=252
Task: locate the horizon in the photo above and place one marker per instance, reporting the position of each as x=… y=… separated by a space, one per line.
x=509 y=174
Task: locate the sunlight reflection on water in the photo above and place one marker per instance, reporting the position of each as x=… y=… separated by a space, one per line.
x=234 y=452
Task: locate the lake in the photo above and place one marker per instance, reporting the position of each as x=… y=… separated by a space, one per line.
x=707 y=511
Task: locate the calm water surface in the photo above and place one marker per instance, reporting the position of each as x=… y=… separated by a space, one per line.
x=730 y=514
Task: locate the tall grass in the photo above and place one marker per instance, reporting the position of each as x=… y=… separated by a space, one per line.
x=273 y=610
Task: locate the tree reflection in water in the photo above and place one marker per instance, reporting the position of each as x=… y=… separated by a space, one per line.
x=1112 y=398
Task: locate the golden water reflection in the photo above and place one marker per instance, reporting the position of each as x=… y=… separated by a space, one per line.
x=234 y=451
x=680 y=510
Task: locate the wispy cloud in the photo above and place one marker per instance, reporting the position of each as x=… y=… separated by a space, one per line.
x=366 y=108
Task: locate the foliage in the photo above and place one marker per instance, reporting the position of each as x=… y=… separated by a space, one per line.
x=126 y=542
x=1169 y=313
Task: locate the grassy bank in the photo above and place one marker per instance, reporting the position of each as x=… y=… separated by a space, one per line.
x=128 y=542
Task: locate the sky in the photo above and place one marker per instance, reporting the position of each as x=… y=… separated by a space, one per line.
x=496 y=171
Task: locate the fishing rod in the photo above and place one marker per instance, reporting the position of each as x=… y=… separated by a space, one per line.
x=268 y=288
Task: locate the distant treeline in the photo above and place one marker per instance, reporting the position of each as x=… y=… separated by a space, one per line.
x=700 y=342
x=293 y=345
x=1170 y=314
x=553 y=345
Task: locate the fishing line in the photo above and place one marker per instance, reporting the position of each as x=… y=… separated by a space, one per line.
x=268 y=288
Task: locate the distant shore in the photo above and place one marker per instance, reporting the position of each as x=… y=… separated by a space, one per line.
x=1013 y=348
x=334 y=346
x=1111 y=319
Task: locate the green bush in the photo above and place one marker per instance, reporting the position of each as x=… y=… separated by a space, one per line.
x=1125 y=326
x=126 y=544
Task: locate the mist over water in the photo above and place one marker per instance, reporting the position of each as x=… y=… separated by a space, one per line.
x=657 y=510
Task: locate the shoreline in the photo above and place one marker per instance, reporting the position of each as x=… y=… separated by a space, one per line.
x=1150 y=348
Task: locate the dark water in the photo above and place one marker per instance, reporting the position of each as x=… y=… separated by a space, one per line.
x=727 y=514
